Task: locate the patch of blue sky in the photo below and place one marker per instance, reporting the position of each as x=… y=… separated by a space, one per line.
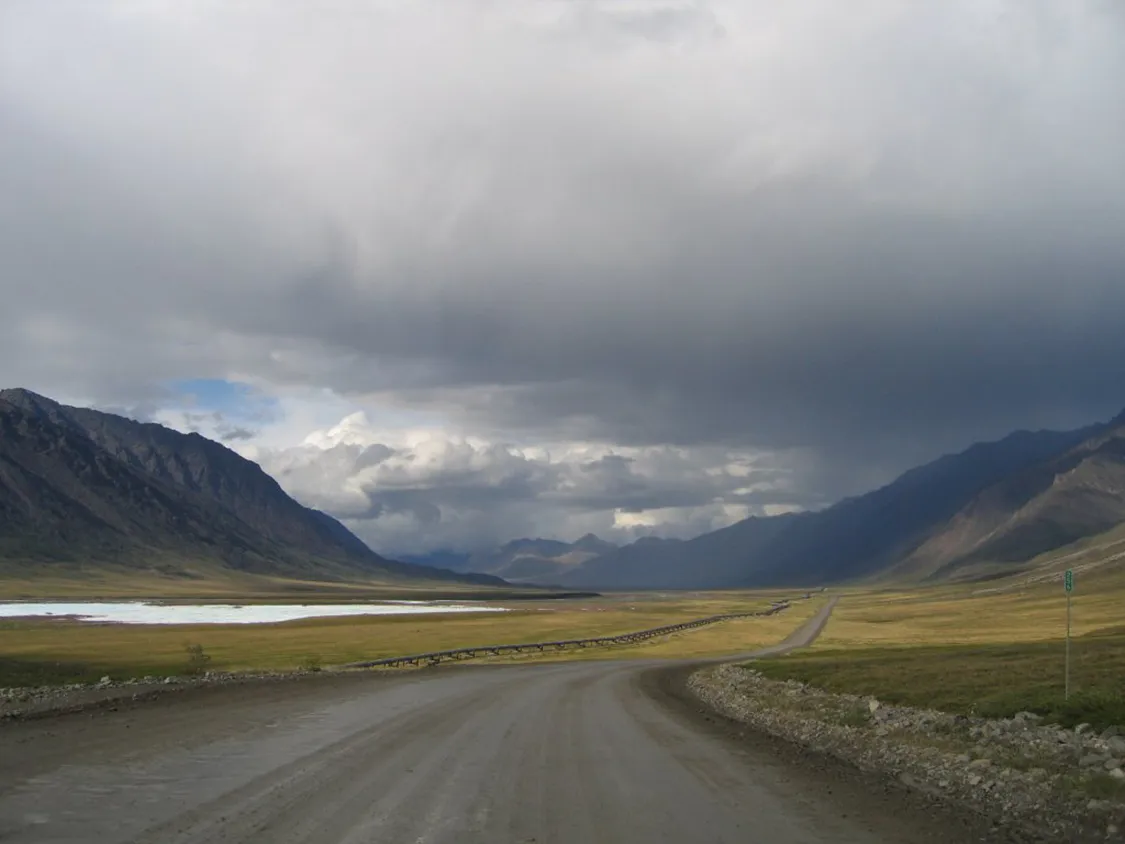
x=235 y=401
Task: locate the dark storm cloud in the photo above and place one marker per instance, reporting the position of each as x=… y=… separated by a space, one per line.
x=914 y=337
x=236 y=434
x=871 y=231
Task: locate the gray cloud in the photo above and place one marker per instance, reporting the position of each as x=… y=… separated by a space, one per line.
x=861 y=233
x=236 y=434
x=462 y=495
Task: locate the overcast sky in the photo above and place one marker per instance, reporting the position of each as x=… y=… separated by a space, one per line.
x=464 y=271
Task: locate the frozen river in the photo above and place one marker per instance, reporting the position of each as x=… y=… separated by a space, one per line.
x=141 y=612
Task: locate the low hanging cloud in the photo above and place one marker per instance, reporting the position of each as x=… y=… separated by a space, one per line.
x=860 y=233
x=436 y=492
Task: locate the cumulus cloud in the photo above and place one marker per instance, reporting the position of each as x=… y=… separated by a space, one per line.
x=427 y=490
x=851 y=235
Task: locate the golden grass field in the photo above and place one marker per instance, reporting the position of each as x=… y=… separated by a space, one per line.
x=960 y=615
x=985 y=649
x=727 y=638
x=57 y=650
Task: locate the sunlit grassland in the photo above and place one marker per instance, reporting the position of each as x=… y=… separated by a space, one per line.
x=727 y=638
x=968 y=615
x=994 y=680
x=977 y=649
x=61 y=651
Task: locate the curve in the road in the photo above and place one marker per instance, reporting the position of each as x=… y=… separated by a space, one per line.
x=563 y=753
x=480 y=651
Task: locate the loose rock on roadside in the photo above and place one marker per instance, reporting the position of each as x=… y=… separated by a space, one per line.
x=20 y=702
x=1065 y=785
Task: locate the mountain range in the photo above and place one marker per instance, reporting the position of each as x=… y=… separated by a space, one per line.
x=79 y=487
x=989 y=509
x=539 y=561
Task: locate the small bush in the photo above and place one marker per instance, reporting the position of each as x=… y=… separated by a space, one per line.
x=197 y=659
x=855 y=716
x=311 y=664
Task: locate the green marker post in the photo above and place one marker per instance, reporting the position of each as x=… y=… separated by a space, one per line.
x=1068 y=585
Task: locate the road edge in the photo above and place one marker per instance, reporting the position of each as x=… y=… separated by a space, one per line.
x=671 y=687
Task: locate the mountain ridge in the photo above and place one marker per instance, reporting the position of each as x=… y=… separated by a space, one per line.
x=859 y=537
x=80 y=485
x=1077 y=494
x=525 y=560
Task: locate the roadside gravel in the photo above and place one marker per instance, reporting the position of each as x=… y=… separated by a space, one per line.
x=31 y=702
x=1051 y=784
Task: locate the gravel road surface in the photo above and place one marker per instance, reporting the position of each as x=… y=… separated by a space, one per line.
x=580 y=752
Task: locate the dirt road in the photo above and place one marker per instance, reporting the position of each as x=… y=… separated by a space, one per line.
x=569 y=752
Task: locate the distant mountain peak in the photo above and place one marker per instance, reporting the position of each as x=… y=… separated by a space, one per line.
x=654 y=540
x=593 y=542
x=1117 y=421
x=26 y=398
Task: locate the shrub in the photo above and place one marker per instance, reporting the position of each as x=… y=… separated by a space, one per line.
x=197 y=659
x=311 y=664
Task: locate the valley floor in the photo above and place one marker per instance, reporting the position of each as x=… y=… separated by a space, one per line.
x=588 y=752
x=951 y=649
x=41 y=651
x=972 y=651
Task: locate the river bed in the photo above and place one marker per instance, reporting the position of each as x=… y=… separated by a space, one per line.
x=144 y=612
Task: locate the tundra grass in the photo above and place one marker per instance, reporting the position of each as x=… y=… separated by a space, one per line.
x=727 y=638
x=40 y=651
x=968 y=651
x=994 y=680
x=964 y=615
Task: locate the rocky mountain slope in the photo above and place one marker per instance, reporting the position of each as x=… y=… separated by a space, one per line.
x=1000 y=501
x=1077 y=494
x=84 y=487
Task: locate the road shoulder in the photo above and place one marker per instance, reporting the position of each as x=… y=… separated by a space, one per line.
x=858 y=769
x=853 y=791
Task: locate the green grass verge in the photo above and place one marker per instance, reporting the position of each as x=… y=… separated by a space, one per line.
x=994 y=680
x=16 y=673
